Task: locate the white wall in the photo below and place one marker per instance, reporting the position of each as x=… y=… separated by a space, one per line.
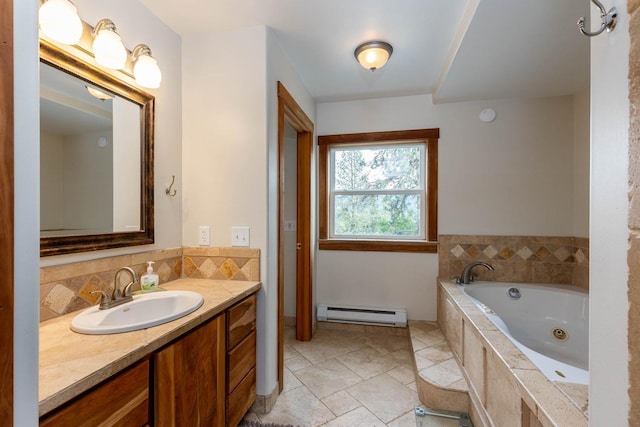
x=581 y=163
x=51 y=188
x=229 y=147
x=609 y=352
x=225 y=156
x=137 y=25
x=87 y=180
x=126 y=161
x=27 y=221
x=510 y=177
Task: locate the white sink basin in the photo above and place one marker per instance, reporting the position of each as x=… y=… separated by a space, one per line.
x=144 y=311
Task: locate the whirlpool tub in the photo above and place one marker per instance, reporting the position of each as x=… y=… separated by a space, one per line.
x=548 y=323
x=523 y=349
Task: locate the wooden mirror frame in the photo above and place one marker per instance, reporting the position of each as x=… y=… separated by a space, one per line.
x=52 y=55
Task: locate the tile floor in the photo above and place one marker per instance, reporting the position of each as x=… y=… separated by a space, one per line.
x=346 y=378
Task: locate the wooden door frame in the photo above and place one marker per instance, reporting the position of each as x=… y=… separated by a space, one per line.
x=6 y=212
x=290 y=112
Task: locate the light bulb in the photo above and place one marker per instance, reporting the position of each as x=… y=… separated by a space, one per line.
x=59 y=20
x=145 y=67
x=107 y=46
x=147 y=72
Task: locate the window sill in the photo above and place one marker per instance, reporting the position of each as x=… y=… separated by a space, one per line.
x=377 y=246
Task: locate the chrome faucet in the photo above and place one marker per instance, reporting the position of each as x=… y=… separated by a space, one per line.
x=119 y=296
x=466 y=277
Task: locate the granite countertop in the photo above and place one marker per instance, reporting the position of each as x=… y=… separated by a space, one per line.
x=71 y=363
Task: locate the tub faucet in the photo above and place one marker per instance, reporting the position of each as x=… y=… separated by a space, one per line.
x=466 y=277
x=119 y=296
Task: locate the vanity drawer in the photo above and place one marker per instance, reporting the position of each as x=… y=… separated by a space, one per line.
x=241 y=360
x=239 y=402
x=241 y=320
x=120 y=401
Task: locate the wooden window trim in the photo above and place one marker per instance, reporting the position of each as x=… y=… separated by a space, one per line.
x=431 y=137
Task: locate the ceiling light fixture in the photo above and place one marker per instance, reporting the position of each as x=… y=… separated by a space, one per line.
x=107 y=45
x=59 y=20
x=373 y=55
x=96 y=93
x=145 y=67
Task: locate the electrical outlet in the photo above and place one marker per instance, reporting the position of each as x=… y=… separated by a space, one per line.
x=204 y=235
x=239 y=236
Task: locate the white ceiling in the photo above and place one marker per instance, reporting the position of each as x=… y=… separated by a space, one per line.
x=453 y=49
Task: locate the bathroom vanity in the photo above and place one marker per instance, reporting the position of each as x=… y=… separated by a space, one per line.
x=196 y=370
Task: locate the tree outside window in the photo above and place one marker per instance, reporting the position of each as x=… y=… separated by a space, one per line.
x=378 y=190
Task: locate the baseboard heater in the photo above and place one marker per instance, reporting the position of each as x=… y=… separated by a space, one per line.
x=362 y=315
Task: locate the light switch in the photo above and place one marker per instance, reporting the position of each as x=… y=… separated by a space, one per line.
x=239 y=236
x=289 y=225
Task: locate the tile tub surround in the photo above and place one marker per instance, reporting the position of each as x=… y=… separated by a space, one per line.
x=71 y=363
x=504 y=384
x=533 y=259
x=67 y=288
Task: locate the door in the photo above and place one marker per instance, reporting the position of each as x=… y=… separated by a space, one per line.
x=290 y=112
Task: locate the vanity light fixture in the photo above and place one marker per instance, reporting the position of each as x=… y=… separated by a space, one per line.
x=107 y=45
x=145 y=67
x=59 y=20
x=373 y=54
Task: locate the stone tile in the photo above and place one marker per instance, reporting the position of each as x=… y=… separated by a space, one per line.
x=340 y=403
x=387 y=344
x=403 y=357
x=327 y=378
x=58 y=299
x=289 y=351
x=436 y=353
x=326 y=346
x=406 y=420
x=385 y=397
x=290 y=381
x=296 y=363
x=298 y=407
x=358 y=417
x=403 y=374
x=367 y=362
x=422 y=363
x=441 y=374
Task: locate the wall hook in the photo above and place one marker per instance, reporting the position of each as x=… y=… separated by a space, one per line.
x=609 y=20
x=169 y=191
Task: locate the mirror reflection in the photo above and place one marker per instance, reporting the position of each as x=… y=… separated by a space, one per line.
x=89 y=156
x=96 y=146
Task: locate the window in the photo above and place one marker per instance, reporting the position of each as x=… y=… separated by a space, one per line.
x=378 y=191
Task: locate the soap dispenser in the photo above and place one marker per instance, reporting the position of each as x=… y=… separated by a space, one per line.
x=149 y=281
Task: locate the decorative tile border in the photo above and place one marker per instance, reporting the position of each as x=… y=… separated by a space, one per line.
x=67 y=288
x=221 y=263
x=542 y=259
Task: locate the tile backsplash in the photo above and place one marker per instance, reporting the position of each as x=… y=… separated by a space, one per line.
x=540 y=259
x=67 y=288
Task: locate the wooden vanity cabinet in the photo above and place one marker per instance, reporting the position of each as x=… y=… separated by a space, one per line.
x=207 y=377
x=123 y=400
x=241 y=359
x=189 y=378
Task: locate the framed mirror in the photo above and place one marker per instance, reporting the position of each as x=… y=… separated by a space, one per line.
x=96 y=161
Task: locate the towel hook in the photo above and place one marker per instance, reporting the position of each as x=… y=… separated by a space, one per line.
x=609 y=20
x=169 y=191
